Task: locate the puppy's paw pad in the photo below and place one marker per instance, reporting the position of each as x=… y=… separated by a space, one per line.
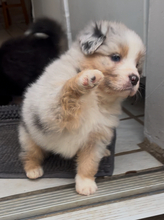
x=91 y=78
x=35 y=173
x=85 y=186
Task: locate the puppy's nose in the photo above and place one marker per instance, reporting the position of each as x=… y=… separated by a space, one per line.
x=133 y=79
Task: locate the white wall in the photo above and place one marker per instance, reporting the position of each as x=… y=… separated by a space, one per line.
x=130 y=12
x=49 y=8
x=154 y=119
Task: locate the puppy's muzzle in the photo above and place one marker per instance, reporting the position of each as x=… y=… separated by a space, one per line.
x=133 y=79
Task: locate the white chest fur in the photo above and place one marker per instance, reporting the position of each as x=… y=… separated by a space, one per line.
x=67 y=143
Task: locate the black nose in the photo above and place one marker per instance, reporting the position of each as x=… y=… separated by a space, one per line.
x=134 y=79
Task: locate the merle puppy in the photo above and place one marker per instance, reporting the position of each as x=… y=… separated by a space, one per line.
x=75 y=104
x=24 y=58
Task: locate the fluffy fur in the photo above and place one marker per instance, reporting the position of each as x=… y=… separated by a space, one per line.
x=73 y=107
x=24 y=58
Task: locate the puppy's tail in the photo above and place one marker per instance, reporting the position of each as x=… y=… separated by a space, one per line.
x=47 y=28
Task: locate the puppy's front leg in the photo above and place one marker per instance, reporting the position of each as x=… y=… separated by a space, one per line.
x=70 y=99
x=87 y=166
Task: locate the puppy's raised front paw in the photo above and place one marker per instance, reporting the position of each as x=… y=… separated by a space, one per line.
x=35 y=173
x=90 y=78
x=85 y=186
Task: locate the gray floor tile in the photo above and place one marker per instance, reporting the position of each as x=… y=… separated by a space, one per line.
x=135 y=108
x=134 y=162
x=129 y=134
x=123 y=115
x=10 y=187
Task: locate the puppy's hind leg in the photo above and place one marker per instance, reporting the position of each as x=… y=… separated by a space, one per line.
x=31 y=155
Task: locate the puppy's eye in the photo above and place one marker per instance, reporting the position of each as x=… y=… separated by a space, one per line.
x=116 y=57
x=137 y=65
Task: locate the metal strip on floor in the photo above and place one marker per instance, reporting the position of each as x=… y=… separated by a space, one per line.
x=62 y=199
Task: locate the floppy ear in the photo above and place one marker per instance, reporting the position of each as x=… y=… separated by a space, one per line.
x=92 y=38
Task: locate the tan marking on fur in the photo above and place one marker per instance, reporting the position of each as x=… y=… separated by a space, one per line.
x=105 y=65
x=97 y=61
x=100 y=62
x=71 y=93
x=33 y=157
x=110 y=79
x=123 y=50
x=111 y=74
x=87 y=164
x=107 y=84
x=88 y=158
x=71 y=104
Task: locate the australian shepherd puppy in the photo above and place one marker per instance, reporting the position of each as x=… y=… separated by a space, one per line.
x=73 y=107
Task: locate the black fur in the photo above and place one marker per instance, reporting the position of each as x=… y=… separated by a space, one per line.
x=92 y=39
x=23 y=59
x=97 y=32
x=78 y=70
x=37 y=123
x=87 y=45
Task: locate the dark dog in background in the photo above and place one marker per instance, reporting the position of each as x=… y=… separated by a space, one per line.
x=24 y=58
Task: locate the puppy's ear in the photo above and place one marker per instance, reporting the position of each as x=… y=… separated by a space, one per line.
x=92 y=38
